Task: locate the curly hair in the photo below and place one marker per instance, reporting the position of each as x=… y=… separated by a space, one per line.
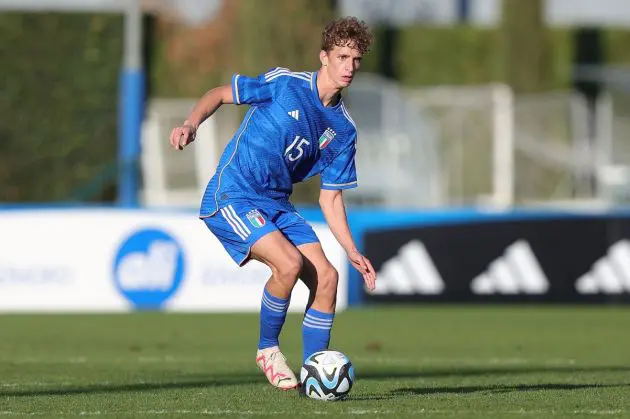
x=347 y=31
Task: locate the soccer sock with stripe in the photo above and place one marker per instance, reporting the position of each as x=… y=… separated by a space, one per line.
x=273 y=311
x=316 y=331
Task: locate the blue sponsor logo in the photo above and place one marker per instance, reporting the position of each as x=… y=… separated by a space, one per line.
x=149 y=268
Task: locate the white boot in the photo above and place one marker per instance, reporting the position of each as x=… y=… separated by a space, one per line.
x=274 y=365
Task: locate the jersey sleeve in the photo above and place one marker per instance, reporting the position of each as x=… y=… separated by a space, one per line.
x=255 y=90
x=341 y=173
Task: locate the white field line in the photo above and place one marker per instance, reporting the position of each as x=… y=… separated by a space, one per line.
x=35 y=384
x=357 y=412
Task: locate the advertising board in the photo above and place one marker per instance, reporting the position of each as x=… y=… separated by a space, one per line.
x=121 y=260
x=538 y=259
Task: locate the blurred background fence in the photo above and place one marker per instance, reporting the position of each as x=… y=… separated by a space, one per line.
x=494 y=103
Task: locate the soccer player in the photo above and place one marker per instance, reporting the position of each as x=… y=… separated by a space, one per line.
x=297 y=127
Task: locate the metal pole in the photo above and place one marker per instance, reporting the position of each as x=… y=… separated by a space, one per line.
x=503 y=153
x=131 y=108
x=463 y=10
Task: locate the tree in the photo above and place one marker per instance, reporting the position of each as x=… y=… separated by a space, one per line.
x=527 y=46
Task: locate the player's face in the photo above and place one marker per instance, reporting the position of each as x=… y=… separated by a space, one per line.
x=342 y=64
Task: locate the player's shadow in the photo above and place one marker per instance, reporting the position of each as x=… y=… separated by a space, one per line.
x=423 y=391
x=478 y=371
x=179 y=383
x=456 y=372
x=488 y=389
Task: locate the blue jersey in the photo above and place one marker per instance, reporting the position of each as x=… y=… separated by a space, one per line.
x=287 y=136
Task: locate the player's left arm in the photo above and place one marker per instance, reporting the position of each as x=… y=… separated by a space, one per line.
x=334 y=209
x=339 y=174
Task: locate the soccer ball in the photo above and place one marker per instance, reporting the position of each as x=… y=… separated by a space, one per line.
x=327 y=375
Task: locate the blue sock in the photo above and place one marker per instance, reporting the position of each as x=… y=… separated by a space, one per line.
x=316 y=331
x=273 y=311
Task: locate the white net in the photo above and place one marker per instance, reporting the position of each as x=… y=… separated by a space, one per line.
x=466 y=122
x=555 y=156
x=501 y=149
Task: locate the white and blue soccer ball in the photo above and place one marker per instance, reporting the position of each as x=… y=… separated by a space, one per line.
x=327 y=375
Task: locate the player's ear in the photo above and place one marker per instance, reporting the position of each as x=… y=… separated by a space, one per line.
x=323 y=57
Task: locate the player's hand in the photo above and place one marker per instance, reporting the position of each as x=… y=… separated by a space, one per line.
x=363 y=265
x=182 y=136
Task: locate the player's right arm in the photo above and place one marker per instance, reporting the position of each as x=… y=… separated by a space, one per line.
x=204 y=108
x=242 y=90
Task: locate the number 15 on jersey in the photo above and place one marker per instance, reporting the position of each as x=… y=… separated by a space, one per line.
x=295 y=150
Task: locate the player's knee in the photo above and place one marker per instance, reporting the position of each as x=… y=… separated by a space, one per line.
x=327 y=279
x=289 y=269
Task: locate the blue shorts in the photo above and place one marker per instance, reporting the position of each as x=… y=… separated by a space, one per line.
x=240 y=224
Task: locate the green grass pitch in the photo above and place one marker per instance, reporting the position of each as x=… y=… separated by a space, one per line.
x=413 y=361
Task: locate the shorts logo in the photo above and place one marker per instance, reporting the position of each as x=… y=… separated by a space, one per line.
x=256 y=218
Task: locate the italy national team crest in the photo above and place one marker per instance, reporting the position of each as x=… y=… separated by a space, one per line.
x=326 y=138
x=256 y=218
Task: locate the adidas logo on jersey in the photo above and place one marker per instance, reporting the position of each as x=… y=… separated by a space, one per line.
x=411 y=271
x=610 y=274
x=295 y=114
x=517 y=271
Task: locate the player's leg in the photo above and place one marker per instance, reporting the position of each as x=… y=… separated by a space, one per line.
x=321 y=277
x=246 y=233
x=285 y=263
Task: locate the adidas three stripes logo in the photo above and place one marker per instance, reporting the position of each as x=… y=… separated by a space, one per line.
x=412 y=271
x=237 y=224
x=609 y=274
x=517 y=271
